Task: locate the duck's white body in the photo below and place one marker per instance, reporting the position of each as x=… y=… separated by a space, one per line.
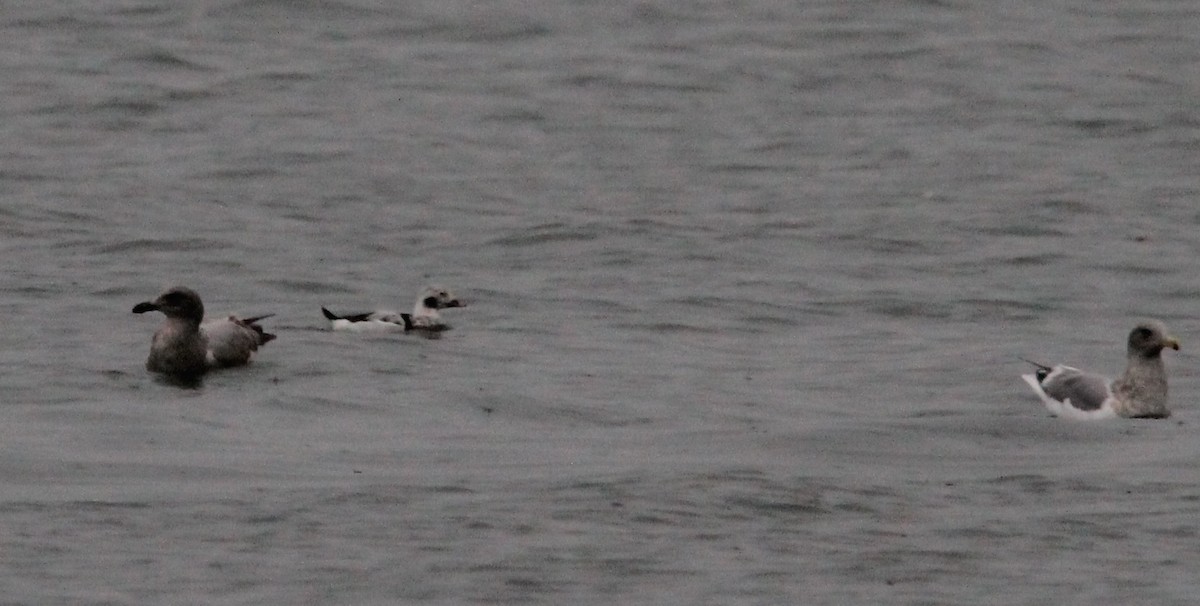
x=424 y=316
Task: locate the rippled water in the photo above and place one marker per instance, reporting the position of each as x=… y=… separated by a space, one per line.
x=746 y=286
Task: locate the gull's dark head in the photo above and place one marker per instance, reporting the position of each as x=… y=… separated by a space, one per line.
x=178 y=302
x=1148 y=339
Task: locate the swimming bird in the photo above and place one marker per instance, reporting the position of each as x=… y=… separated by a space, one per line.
x=424 y=316
x=185 y=347
x=375 y=321
x=1140 y=393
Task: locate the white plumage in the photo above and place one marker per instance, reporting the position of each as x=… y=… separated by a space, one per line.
x=424 y=316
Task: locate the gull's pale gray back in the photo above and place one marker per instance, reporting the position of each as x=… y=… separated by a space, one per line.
x=1086 y=391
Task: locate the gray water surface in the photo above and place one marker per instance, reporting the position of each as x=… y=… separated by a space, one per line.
x=746 y=284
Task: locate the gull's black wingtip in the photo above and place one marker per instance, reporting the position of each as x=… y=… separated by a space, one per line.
x=1042 y=371
x=1037 y=364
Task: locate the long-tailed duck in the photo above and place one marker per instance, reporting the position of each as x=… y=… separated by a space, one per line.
x=424 y=316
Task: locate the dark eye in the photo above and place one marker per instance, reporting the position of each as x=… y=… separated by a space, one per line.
x=1144 y=333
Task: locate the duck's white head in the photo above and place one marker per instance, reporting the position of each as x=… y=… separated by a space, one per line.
x=433 y=298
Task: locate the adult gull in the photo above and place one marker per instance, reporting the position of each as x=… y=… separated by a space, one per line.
x=1140 y=393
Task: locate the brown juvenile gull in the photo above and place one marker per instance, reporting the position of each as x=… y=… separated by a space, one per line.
x=185 y=348
x=424 y=315
x=1140 y=393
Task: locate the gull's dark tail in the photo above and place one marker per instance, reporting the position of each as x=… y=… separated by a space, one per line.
x=252 y=323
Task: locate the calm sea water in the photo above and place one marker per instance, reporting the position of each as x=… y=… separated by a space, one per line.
x=746 y=283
